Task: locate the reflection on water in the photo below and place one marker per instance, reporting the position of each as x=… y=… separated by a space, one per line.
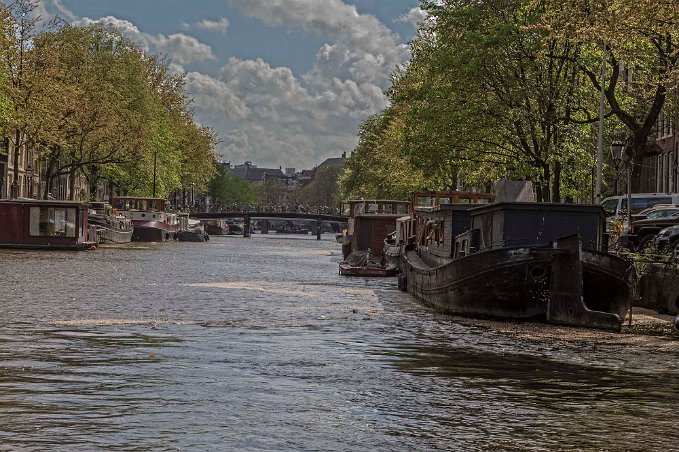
x=259 y=344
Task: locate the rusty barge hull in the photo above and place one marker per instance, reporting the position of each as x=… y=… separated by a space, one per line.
x=561 y=286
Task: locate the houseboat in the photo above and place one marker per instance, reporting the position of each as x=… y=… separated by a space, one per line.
x=370 y=221
x=44 y=224
x=152 y=223
x=427 y=201
x=518 y=261
x=109 y=226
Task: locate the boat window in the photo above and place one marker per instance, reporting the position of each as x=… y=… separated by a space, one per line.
x=402 y=208
x=373 y=208
x=52 y=222
x=425 y=201
x=358 y=209
x=444 y=201
x=387 y=208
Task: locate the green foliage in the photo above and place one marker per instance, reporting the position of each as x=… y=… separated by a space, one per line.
x=509 y=88
x=226 y=188
x=323 y=190
x=92 y=103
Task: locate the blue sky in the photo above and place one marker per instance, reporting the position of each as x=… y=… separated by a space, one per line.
x=282 y=82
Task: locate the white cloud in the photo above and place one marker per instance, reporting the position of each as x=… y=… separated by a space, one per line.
x=414 y=16
x=270 y=115
x=358 y=40
x=181 y=48
x=218 y=26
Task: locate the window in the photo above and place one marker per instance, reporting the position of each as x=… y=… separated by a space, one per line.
x=639 y=204
x=52 y=222
x=610 y=206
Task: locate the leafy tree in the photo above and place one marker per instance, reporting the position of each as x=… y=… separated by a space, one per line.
x=323 y=190
x=226 y=188
x=23 y=77
x=379 y=166
x=641 y=41
x=490 y=96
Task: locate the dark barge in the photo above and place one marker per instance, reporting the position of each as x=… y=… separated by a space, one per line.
x=44 y=224
x=519 y=261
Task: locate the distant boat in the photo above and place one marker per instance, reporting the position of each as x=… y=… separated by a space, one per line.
x=151 y=222
x=216 y=227
x=194 y=231
x=110 y=226
x=45 y=224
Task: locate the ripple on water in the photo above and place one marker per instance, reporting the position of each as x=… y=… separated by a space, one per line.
x=260 y=344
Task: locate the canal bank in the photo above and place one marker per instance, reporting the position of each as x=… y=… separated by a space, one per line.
x=260 y=344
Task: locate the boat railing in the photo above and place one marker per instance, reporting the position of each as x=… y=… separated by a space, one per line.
x=523 y=242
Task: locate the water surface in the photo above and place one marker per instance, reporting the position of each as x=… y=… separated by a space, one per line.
x=259 y=344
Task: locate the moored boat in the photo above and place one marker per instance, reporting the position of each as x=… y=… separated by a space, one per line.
x=44 y=224
x=370 y=222
x=396 y=241
x=519 y=261
x=363 y=263
x=193 y=232
x=152 y=223
x=216 y=227
x=109 y=226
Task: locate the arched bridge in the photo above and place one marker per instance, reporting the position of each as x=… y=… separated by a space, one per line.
x=316 y=219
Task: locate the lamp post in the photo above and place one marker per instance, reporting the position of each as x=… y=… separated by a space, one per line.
x=675 y=177
x=193 y=201
x=621 y=153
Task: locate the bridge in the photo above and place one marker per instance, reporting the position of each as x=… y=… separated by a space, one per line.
x=316 y=219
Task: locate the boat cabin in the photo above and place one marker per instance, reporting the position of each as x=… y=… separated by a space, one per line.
x=456 y=230
x=370 y=221
x=436 y=229
x=44 y=224
x=515 y=224
x=140 y=210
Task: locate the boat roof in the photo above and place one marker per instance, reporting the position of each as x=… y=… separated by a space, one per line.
x=42 y=202
x=139 y=197
x=377 y=201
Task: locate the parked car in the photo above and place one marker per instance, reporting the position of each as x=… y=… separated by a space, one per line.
x=643 y=232
x=616 y=206
x=668 y=239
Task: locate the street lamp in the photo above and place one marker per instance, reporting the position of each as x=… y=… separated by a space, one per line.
x=193 y=202
x=621 y=153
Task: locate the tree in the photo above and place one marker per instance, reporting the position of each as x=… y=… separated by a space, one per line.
x=491 y=97
x=323 y=190
x=226 y=188
x=640 y=38
x=379 y=167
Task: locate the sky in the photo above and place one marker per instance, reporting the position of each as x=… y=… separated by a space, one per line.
x=282 y=82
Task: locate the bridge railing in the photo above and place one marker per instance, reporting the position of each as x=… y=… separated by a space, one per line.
x=269 y=208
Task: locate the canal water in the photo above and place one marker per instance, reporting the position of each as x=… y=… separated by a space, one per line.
x=258 y=344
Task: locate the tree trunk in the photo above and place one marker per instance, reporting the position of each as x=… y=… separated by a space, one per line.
x=556 y=183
